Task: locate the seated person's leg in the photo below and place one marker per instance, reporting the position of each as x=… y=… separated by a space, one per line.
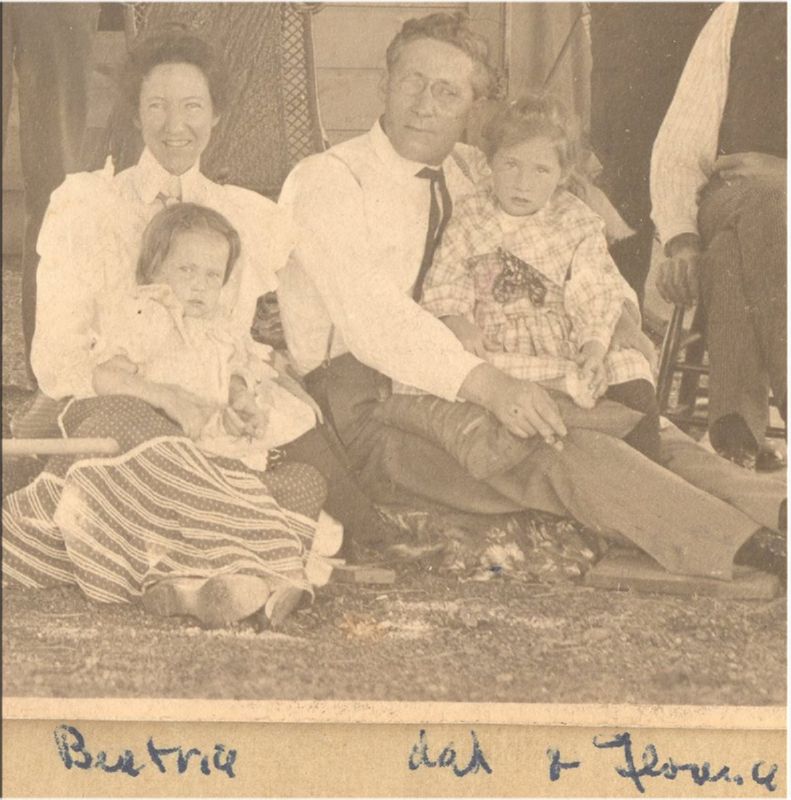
x=760 y=497
x=743 y=289
x=478 y=441
x=640 y=395
x=761 y=230
x=297 y=487
x=345 y=500
x=464 y=430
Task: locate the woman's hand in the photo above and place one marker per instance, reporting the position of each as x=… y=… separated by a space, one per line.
x=472 y=338
x=185 y=408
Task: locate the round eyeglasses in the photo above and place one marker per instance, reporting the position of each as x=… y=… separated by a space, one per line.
x=448 y=98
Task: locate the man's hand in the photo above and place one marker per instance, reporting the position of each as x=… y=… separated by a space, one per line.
x=678 y=279
x=471 y=336
x=526 y=409
x=750 y=165
x=593 y=373
x=523 y=407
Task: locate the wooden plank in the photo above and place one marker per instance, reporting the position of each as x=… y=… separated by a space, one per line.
x=334 y=136
x=630 y=570
x=13 y=221
x=349 y=99
x=488 y=19
x=357 y=36
x=59 y=447
x=354 y=573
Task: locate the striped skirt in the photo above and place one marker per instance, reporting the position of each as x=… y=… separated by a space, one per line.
x=113 y=526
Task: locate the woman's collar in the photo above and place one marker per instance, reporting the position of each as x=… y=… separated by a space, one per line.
x=151 y=178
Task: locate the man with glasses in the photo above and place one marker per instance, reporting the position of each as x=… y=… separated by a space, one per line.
x=370 y=212
x=363 y=208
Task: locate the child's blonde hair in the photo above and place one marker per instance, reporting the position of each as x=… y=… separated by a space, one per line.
x=532 y=115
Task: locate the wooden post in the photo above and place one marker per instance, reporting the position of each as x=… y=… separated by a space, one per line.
x=60 y=447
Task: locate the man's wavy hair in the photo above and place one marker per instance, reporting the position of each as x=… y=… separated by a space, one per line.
x=160 y=233
x=173 y=45
x=454 y=29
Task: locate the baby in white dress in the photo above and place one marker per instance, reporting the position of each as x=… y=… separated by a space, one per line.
x=170 y=343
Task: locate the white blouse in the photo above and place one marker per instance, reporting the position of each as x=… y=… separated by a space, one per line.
x=89 y=245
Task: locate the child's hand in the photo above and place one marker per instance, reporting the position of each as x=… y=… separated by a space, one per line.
x=258 y=424
x=472 y=338
x=242 y=402
x=627 y=334
x=253 y=424
x=592 y=371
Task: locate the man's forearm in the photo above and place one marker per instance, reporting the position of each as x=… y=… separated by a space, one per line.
x=483 y=385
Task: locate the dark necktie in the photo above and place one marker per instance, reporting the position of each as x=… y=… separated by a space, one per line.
x=438 y=217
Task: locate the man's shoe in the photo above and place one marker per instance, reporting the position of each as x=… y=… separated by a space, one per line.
x=769 y=459
x=766 y=550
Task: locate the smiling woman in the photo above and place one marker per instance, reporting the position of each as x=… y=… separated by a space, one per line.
x=176 y=87
x=221 y=538
x=176 y=115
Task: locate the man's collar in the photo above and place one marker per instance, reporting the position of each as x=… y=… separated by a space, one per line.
x=151 y=178
x=401 y=167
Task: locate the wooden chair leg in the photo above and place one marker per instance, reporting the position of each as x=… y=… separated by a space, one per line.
x=692 y=367
x=668 y=356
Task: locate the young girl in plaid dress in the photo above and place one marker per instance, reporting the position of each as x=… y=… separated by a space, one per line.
x=524 y=278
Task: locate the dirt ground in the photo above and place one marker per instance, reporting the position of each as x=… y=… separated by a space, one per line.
x=427 y=637
x=424 y=638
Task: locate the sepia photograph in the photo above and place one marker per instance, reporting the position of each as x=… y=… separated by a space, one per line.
x=405 y=352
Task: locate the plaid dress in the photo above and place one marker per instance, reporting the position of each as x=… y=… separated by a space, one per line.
x=539 y=285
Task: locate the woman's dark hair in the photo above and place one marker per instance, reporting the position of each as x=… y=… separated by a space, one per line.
x=173 y=45
x=453 y=29
x=176 y=219
x=530 y=116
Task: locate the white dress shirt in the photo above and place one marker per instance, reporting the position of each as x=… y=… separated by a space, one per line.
x=686 y=145
x=89 y=245
x=362 y=215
